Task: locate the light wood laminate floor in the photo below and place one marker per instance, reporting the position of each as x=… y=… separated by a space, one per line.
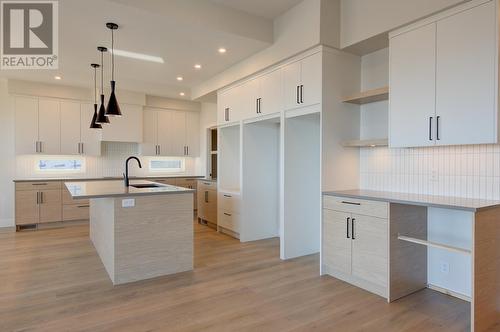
x=53 y=280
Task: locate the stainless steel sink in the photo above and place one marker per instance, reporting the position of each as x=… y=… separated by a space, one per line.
x=146 y=185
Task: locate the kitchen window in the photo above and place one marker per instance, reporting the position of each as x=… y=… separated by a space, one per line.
x=59 y=164
x=168 y=165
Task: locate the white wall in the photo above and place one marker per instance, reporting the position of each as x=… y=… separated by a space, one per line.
x=375 y=74
x=362 y=19
x=7 y=166
x=208 y=119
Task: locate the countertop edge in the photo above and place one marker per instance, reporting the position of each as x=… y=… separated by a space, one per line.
x=410 y=202
x=189 y=191
x=149 y=177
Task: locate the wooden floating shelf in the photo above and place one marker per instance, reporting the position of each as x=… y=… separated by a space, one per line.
x=366 y=143
x=434 y=244
x=369 y=96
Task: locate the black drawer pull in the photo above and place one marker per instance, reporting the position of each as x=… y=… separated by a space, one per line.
x=351 y=203
x=228 y=196
x=227 y=214
x=39 y=184
x=83 y=206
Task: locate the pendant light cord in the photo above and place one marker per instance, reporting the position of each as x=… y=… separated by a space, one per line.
x=95 y=85
x=102 y=75
x=112 y=56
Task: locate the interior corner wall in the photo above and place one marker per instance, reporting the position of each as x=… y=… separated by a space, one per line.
x=7 y=166
x=363 y=19
x=208 y=119
x=296 y=30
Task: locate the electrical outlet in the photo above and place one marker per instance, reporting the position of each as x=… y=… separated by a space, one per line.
x=128 y=202
x=444 y=267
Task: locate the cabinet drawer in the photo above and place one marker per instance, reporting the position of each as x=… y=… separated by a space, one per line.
x=75 y=212
x=359 y=206
x=229 y=221
x=207 y=185
x=38 y=185
x=67 y=199
x=229 y=202
x=171 y=181
x=187 y=183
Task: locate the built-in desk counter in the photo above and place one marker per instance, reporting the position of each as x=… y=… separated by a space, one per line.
x=379 y=241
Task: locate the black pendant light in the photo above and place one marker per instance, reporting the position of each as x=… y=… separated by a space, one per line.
x=101 y=115
x=93 y=124
x=113 y=108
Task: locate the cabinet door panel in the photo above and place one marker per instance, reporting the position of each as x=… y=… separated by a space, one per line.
x=291 y=80
x=27 y=210
x=178 y=134
x=150 y=133
x=311 y=72
x=91 y=138
x=164 y=125
x=412 y=87
x=51 y=206
x=26 y=124
x=271 y=93
x=193 y=134
x=336 y=245
x=246 y=106
x=70 y=127
x=49 y=126
x=369 y=249
x=466 y=76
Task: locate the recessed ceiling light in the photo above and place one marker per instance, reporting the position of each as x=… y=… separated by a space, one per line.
x=222 y=50
x=182 y=93
x=138 y=56
x=57 y=77
x=197 y=66
x=180 y=78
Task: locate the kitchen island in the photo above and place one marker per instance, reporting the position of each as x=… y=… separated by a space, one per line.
x=141 y=231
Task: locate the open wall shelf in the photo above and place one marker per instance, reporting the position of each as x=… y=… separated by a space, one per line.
x=369 y=96
x=366 y=143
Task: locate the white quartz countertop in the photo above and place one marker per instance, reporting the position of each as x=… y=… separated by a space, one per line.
x=110 y=178
x=116 y=188
x=445 y=202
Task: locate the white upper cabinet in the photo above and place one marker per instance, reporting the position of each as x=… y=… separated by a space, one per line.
x=443 y=79
x=70 y=127
x=466 y=77
x=90 y=139
x=49 y=126
x=26 y=125
x=412 y=94
x=127 y=128
x=171 y=133
x=302 y=82
x=192 y=134
x=271 y=98
x=248 y=98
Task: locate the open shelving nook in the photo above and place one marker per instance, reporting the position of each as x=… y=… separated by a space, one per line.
x=368 y=96
x=229 y=158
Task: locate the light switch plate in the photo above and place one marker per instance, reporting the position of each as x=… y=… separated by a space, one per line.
x=128 y=202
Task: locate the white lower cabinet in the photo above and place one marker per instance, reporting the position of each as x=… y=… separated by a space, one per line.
x=355 y=246
x=228 y=213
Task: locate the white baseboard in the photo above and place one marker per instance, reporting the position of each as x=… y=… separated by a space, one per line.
x=7 y=222
x=449 y=292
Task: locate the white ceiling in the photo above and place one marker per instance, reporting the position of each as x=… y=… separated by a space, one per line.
x=183 y=32
x=263 y=8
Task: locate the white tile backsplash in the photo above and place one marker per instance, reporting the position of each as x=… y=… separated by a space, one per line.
x=110 y=163
x=471 y=171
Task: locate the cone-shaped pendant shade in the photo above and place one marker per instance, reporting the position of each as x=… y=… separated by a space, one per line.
x=113 y=108
x=94 y=124
x=101 y=115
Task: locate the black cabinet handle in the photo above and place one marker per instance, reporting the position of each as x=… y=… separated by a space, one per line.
x=347 y=226
x=298 y=88
x=227 y=214
x=430 y=128
x=83 y=206
x=437 y=127
x=301 y=94
x=352 y=228
x=206 y=196
x=39 y=184
x=350 y=203
x=227 y=196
